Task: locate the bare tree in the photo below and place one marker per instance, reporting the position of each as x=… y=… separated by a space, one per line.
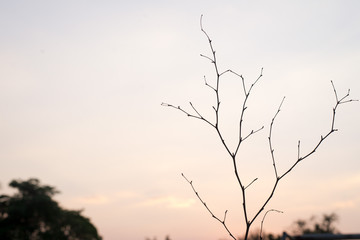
x=241 y=137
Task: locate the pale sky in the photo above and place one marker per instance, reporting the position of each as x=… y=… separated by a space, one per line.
x=81 y=83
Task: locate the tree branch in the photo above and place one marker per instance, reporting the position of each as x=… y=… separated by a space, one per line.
x=270 y=137
x=244 y=107
x=299 y=158
x=187 y=113
x=262 y=221
x=241 y=138
x=223 y=222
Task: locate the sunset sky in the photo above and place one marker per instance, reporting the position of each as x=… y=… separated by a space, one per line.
x=81 y=87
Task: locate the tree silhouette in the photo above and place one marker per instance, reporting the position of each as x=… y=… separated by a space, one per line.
x=313 y=225
x=242 y=136
x=33 y=214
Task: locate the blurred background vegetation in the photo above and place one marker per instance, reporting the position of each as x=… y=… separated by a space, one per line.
x=32 y=214
x=313 y=225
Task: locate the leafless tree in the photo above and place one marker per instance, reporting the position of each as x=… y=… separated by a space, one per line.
x=241 y=137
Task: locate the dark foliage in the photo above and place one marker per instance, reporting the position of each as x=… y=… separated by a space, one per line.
x=32 y=214
x=264 y=236
x=313 y=225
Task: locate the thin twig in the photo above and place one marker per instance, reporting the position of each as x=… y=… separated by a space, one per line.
x=299 y=158
x=244 y=107
x=225 y=72
x=270 y=137
x=206 y=84
x=262 y=221
x=212 y=60
x=252 y=132
x=241 y=138
x=251 y=183
x=187 y=113
x=322 y=138
x=206 y=206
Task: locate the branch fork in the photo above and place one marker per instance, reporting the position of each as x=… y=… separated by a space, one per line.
x=241 y=138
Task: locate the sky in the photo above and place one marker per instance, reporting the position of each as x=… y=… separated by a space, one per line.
x=81 y=87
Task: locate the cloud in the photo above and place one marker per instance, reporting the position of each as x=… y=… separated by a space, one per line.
x=347 y=182
x=345 y=204
x=107 y=198
x=353 y=181
x=134 y=198
x=169 y=202
x=98 y=199
x=126 y=195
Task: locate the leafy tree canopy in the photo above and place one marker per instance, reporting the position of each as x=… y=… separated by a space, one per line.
x=32 y=214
